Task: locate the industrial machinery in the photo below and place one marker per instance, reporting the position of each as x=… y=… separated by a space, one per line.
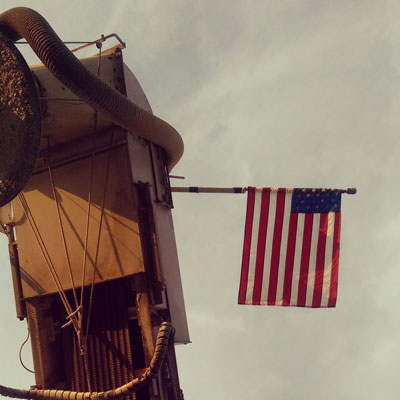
x=86 y=205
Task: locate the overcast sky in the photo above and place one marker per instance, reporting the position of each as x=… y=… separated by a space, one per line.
x=266 y=93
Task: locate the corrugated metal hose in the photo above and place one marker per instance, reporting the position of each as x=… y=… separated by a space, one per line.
x=22 y=22
x=124 y=390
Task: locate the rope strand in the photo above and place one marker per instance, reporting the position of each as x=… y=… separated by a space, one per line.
x=63 y=235
x=71 y=315
x=98 y=239
x=45 y=253
x=20 y=353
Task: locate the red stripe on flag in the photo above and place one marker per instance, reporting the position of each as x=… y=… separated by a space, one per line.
x=276 y=246
x=320 y=261
x=246 y=245
x=262 y=233
x=291 y=246
x=305 y=260
x=335 y=262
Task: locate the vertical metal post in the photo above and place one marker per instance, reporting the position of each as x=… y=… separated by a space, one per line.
x=15 y=272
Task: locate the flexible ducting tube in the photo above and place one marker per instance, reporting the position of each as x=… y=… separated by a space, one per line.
x=121 y=392
x=25 y=23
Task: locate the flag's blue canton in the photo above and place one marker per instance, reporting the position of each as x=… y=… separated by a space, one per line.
x=315 y=200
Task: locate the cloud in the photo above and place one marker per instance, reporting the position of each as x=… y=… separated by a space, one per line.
x=273 y=94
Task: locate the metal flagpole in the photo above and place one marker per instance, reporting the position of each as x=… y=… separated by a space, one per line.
x=221 y=189
x=208 y=189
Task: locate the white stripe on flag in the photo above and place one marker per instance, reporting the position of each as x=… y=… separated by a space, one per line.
x=253 y=247
x=328 y=260
x=313 y=260
x=283 y=249
x=297 y=259
x=268 y=248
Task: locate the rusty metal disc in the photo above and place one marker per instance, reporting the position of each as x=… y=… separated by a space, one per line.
x=20 y=121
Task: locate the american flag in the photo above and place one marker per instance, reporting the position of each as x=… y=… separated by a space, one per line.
x=291 y=247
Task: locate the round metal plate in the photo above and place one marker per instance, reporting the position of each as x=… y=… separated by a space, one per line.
x=19 y=121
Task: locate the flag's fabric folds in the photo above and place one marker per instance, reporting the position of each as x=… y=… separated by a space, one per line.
x=291 y=247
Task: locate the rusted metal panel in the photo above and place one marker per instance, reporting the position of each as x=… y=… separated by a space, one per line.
x=149 y=242
x=65 y=117
x=147 y=166
x=119 y=251
x=166 y=244
x=46 y=350
x=142 y=171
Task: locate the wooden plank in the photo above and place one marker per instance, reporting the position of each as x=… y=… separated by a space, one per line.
x=144 y=316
